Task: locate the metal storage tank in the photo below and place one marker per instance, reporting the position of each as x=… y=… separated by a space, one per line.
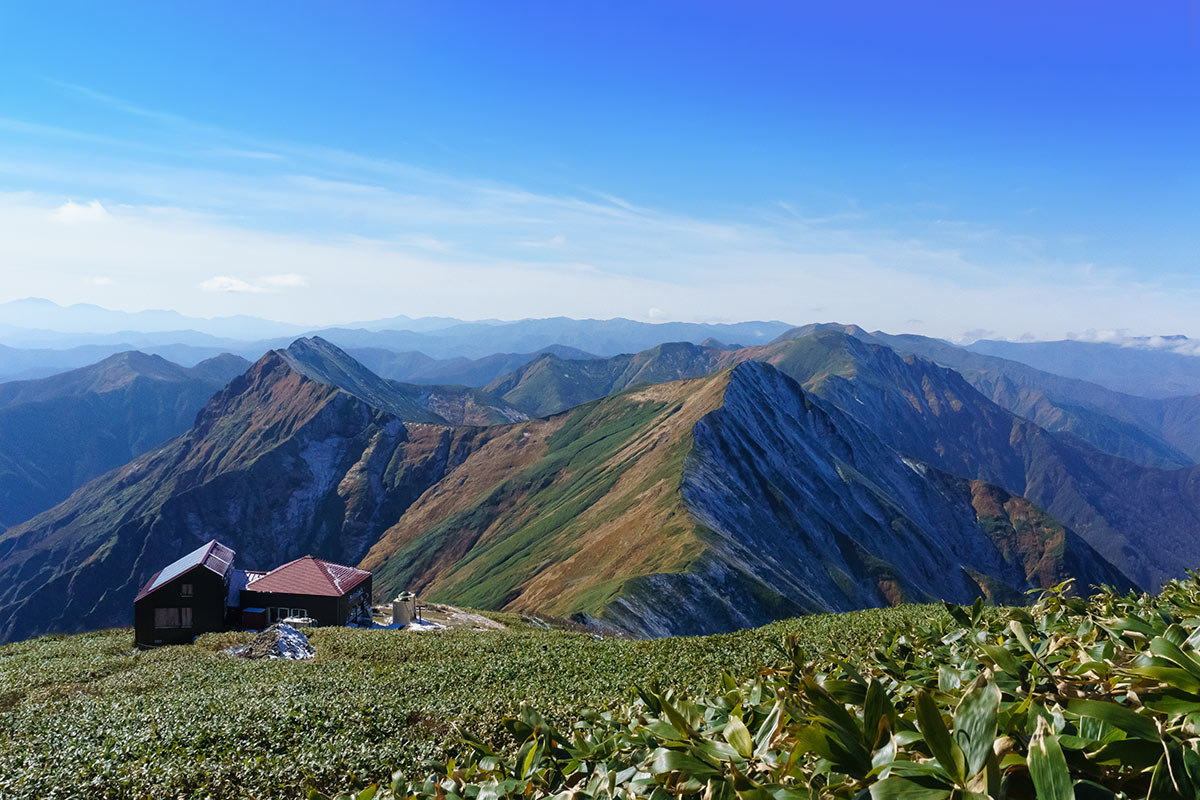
x=404 y=608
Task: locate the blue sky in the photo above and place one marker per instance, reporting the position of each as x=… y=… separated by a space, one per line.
x=931 y=167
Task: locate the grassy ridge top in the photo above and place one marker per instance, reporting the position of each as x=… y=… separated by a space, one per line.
x=86 y=716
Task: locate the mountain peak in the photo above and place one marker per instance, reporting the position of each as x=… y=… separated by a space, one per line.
x=324 y=362
x=224 y=367
x=818 y=327
x=716 y=344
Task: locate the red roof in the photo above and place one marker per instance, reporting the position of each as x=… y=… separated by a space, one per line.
x=309 y=575
x=213 y=556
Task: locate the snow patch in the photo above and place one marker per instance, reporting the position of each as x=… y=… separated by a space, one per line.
x=423 y=626
x=278 y=641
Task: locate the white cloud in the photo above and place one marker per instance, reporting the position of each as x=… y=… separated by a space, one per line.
x=158 y=256
x=1124 y=338
x=270 y=283
x=289 y=280
x=375 y=238
x=224 y=283
x=99 y=280
x=71 y=212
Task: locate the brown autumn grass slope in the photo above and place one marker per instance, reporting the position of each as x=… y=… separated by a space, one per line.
x=556 y=514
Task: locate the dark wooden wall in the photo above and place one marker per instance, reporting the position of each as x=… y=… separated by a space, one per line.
x=207 y=603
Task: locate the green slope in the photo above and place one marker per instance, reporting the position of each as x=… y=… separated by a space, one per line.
x=551 y=384
x=87 y=716
x=710 y=504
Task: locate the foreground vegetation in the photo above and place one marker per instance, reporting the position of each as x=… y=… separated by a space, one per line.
x=1070 y=699
x=87 y=716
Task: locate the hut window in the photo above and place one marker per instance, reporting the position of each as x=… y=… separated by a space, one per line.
x=185 y=590
x=282 y=612
x=166 y=617
x=173 y=617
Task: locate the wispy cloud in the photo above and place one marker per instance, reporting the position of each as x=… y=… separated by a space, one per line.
x=269 y=283
x=72 y=213
x=248 y=221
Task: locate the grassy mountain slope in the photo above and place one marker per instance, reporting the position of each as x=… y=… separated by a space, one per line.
x=705 y=505
x=551 y=384
x=88 y=716
x=59 y=432
x=548 y=510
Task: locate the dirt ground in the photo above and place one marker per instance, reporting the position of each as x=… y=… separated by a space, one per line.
x=437 y=615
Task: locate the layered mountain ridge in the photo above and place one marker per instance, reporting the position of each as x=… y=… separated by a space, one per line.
x=325 y=363
x=1154 y=432
x=689 y=506
x=711 y=504
x=935 y=414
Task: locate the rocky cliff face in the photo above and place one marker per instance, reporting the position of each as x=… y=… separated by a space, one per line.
x=933 y=414
x=809 y=510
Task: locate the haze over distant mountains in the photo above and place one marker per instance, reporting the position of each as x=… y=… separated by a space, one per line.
x=646 y=478
x=39 y=338
x=58 y=433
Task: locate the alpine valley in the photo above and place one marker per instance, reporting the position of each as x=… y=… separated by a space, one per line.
x=693 y=486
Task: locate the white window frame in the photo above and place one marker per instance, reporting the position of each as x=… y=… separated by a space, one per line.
x=283 y=612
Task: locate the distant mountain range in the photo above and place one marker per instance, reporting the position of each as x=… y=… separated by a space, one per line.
x=685 y=488
x=58 y=433
x=37 y=319
x=735 y=475
x=1150 y=366
x=413 y=367
x=74 y=336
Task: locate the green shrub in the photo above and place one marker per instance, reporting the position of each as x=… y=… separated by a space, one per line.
x=88 y=716
x=1072 y=698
